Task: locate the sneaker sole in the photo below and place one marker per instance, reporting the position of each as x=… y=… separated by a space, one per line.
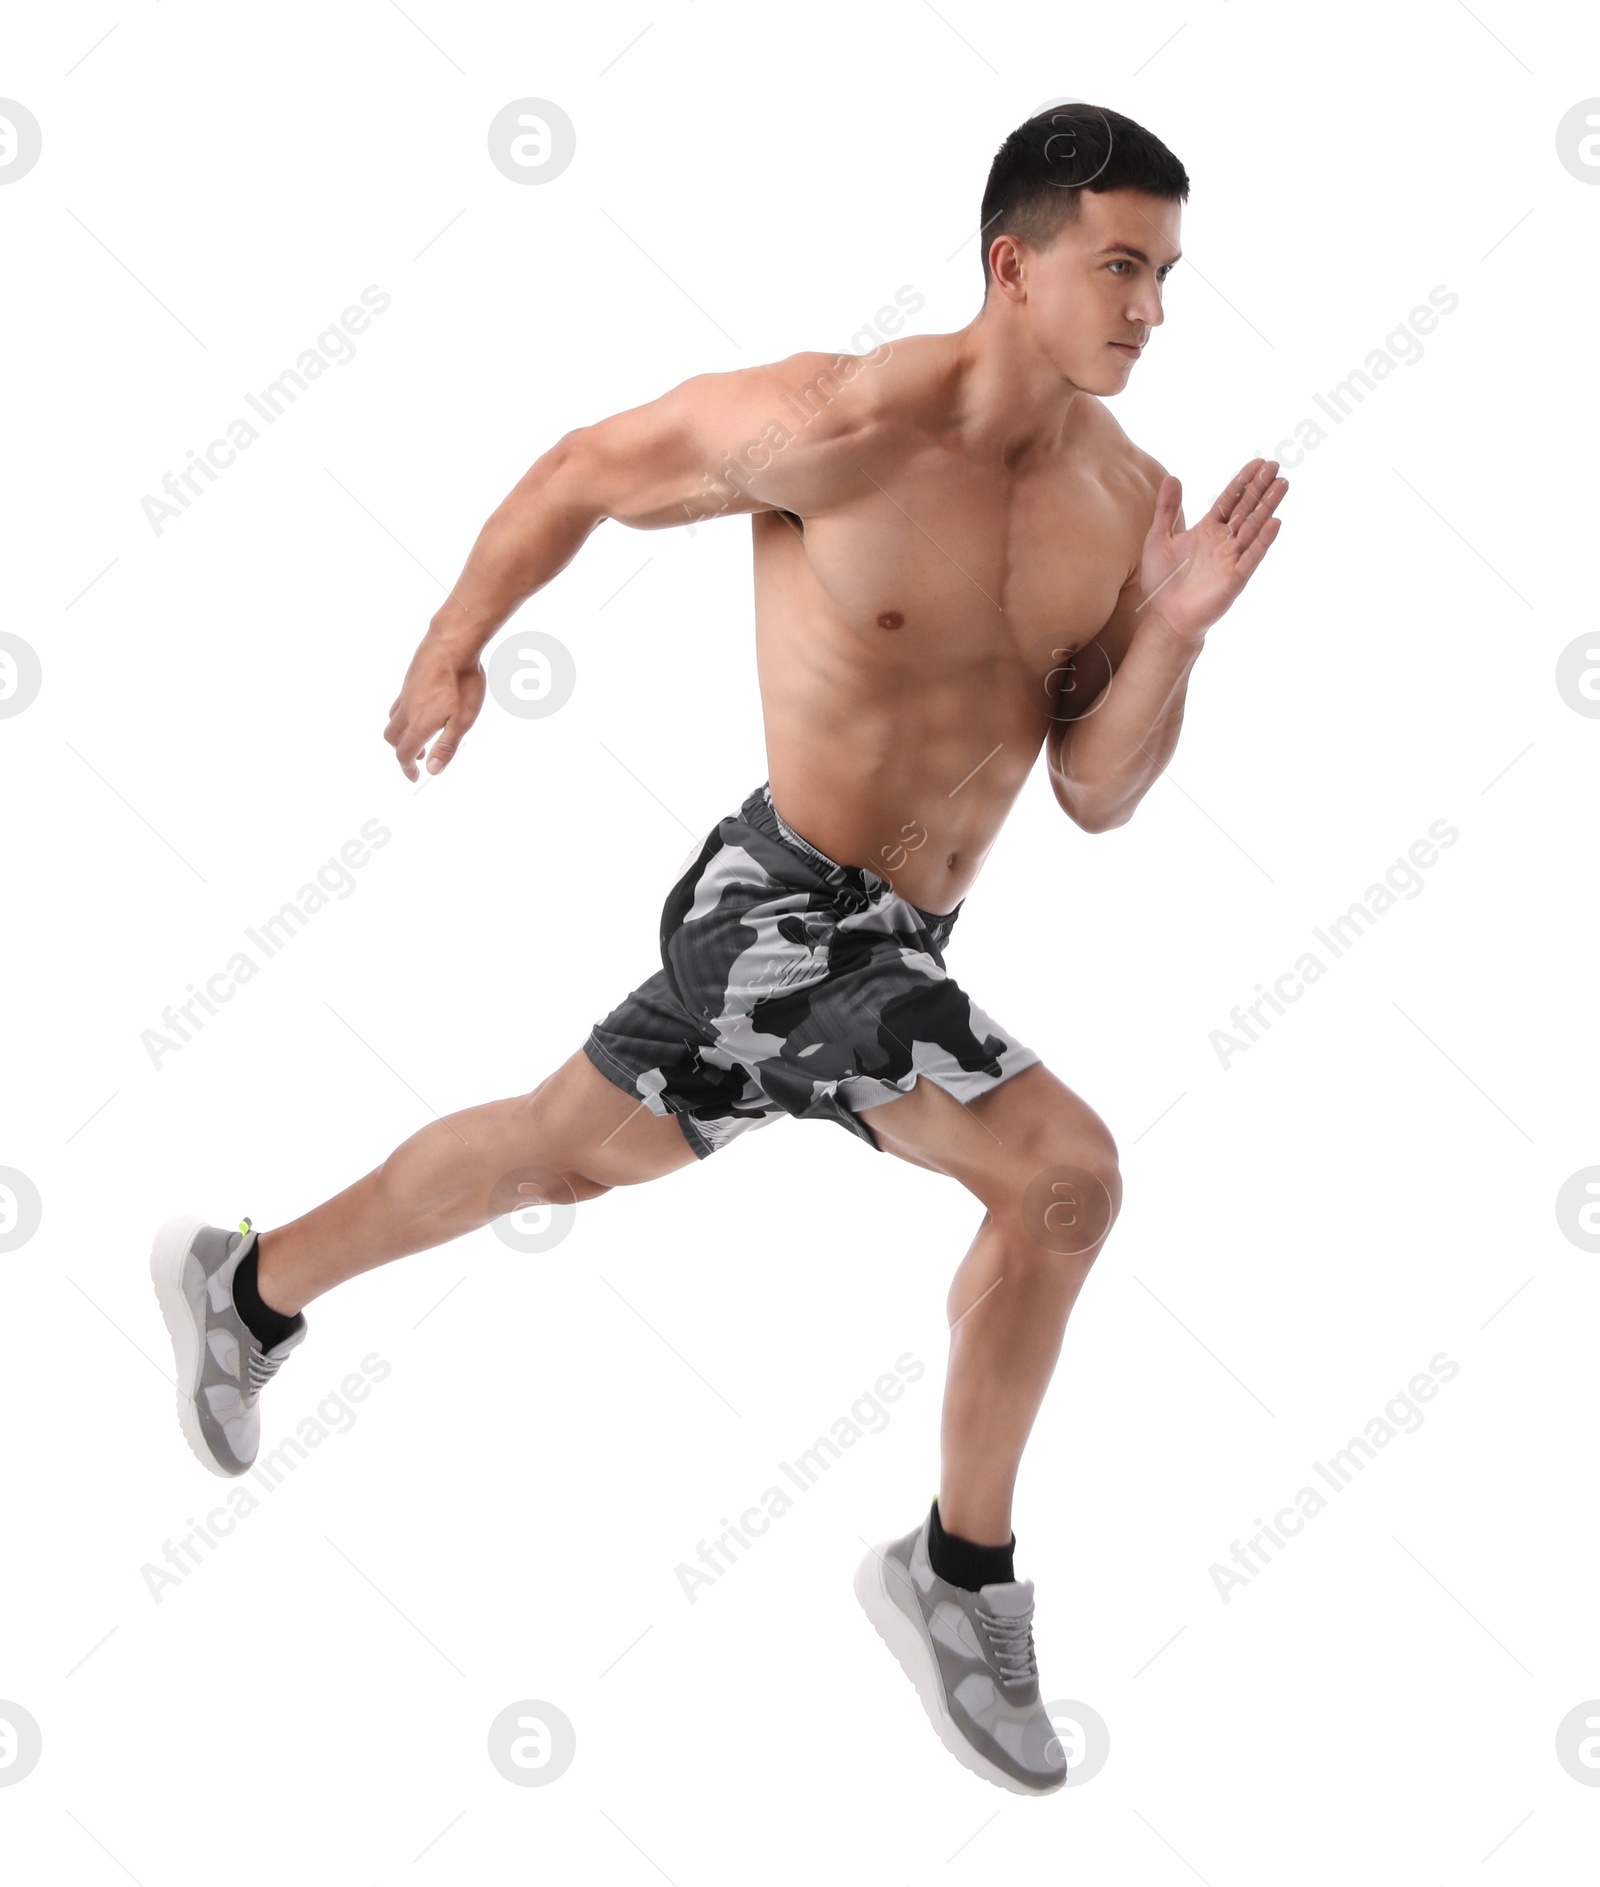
x=168 y=1256
x=915 y=1657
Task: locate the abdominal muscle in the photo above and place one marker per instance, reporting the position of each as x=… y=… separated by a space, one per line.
x=882 y=766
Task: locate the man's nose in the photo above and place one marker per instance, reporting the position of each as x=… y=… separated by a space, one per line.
x=1146 y=306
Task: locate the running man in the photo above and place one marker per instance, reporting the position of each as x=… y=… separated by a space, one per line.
x=959 y=559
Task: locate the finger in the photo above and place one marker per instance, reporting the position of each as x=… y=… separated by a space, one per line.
x=410 y=742
x=1226 y=500
x=469 y=706
x=401 y=706
x=1169 y=501
x=1265 y=502
x=401 y=736
x=1251 y=497
x=1265 y=505
x=1252 y=556
x=445 y=746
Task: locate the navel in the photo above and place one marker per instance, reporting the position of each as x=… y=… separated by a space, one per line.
x=891 y=619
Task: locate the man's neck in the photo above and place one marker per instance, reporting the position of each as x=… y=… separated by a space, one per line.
x=1010 y=401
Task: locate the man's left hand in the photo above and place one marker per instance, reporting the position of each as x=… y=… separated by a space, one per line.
x=1191 y=577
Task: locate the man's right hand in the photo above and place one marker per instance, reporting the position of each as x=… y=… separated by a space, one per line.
x=441 y=694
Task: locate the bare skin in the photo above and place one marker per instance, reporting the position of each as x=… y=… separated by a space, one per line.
x=960 y=559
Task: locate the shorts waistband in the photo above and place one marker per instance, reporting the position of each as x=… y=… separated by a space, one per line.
x=761 y=801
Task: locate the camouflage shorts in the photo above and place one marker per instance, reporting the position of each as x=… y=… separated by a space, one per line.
x=793 y=985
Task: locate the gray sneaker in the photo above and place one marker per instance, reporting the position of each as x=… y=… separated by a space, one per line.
x=221 y=1364
x=970 y=1655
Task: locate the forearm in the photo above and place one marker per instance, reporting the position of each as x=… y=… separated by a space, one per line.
x=530 y=537
x=1103 y=764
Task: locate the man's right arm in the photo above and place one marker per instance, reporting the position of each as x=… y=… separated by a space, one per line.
x=650 y=467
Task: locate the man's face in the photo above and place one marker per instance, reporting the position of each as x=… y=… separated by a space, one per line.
x=1094 y=296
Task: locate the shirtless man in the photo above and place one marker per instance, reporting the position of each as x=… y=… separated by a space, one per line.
x=959 y=559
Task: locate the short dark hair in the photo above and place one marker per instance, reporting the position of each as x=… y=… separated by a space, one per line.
x=1044 y=166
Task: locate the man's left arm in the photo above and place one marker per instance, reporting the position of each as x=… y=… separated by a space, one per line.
x=1120 y=714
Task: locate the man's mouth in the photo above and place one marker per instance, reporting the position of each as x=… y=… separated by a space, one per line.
x=1128 y=348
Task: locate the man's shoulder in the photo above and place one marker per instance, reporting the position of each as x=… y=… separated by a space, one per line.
x=813 y=420
x=1102 y=474
x=1114 y=452
x=847 y=392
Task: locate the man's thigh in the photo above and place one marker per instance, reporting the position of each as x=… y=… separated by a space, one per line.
x=592 y=1127
x=999 y=1143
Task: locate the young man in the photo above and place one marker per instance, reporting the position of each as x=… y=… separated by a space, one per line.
x=959 y=559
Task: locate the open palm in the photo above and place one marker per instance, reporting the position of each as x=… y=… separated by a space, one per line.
x=1191 y=577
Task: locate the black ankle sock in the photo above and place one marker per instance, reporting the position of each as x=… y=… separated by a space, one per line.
x=965 y=1563
x=268 y=1326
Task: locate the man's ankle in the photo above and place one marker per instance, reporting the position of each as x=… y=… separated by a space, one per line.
x=968 y=1563
x=272 y=1290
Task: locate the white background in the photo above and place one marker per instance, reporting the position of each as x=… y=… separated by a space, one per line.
x=1369 y=1185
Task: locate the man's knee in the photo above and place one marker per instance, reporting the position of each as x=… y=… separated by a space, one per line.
x=1061 y=1185
x=553 y=1182
x=558 y=1162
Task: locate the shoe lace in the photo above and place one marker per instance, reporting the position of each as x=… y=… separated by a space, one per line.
x=1012 y=1642
x=262 y=1367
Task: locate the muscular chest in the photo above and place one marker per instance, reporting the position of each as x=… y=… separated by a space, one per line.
x=947 y=567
